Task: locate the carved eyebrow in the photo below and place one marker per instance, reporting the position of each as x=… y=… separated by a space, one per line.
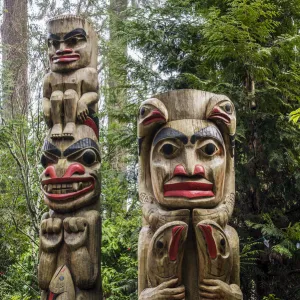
x=74 y=32
x=52 y=36
x=80 y=145
x=209 y=131
x=167 y=133
x=50 y=148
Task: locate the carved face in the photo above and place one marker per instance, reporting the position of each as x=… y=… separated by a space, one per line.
x=70 y=179
x=68 y=49
x=188 y=163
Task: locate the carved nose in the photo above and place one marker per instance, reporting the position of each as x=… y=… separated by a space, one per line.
x=199 y=170
x=74 y=169
x=64 y=51
x=50 y=171
x=180 y=170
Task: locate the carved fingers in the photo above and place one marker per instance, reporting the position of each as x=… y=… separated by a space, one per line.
x=217 y=290
x=76 y=232
x=165 y=291
x=51 y=234
x=82 y=111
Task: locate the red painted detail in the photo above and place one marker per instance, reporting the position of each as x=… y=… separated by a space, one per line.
x=210 y=242
x=174 y=247
x=188 y=185
x=74 y=168
x=218 y=113
x=65 y=58
x=155 y=117
x=180 y=170
x=199 y=170
x=89 y=122
x=50 y=171
x=51 y=296
x=189 y=194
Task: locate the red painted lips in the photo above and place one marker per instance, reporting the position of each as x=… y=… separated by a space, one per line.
x=65 y=58
x=188 y=189
x=217 y=113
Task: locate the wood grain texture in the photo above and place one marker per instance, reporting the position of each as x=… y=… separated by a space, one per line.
x=70 y=235
x=187 y=250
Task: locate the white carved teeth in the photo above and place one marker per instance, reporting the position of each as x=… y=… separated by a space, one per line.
x=65 y=188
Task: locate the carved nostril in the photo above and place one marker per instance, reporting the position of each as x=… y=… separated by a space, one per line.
x=50 y=171
x=180 y=170
x=199 y=170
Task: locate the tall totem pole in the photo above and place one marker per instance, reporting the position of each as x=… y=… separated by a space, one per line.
x=70 y=234
x=187 y=190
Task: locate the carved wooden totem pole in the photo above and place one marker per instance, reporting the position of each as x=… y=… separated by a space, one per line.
x=187 y=190
x=70 y=234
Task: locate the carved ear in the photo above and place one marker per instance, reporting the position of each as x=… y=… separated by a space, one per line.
x=152 y=113
x=221 y=111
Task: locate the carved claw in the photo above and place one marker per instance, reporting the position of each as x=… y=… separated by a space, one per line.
x=51 y=234
x=76 y=232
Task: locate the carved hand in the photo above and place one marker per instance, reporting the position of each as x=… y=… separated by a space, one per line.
x=47 y=112
x=164 y=291
x=82 y=111
x=76 y=232
x=217 y=289
x=51 y=234
x=219 y=215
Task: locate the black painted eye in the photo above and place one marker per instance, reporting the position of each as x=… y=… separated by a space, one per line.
x=46 y=161
x=159 y=244
x=222 y=242
x=168 y=149
x=228 y=107
x=209 y=149
x=142 y=111
x=89 y=157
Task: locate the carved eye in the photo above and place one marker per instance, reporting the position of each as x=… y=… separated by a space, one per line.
x=209 y=149
x=222 y=242
x=159 y=244
x=168 y=149
x=46 y=160
x=227 y=107
x=142 y=111
x=89 y=157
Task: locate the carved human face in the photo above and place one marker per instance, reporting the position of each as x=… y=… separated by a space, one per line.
x=69 y=50
x=188 y=162
x=70 y=180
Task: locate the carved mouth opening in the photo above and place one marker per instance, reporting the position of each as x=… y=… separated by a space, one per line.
x=65 y=58
x=155 y=116
x=67 y=188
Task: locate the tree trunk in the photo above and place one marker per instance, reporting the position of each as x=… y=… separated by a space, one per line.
x=14 y=34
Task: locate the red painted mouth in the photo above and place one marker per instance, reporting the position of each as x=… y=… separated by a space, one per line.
x=188 y=189
x=66 y=188
x=65 y=58
x=219 y=114
x=156 y=116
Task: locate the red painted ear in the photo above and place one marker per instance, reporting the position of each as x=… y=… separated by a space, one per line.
x=179 y=170
x=210 y=242
x=89 y=122
x=174 y=247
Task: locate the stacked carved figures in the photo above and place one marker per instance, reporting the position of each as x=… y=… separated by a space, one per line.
x=186 y=186
x=70 y=235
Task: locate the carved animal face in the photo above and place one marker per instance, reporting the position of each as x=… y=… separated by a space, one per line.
x=165 y=253
x=70 y=179
x=215 y=251
x=188 y=163
x=70 y=45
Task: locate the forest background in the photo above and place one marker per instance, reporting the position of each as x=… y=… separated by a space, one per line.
x=248 y=50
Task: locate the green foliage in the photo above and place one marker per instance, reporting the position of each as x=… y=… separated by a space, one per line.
x=270 y=297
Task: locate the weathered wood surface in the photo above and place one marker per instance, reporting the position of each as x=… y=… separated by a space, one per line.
x=187 y=250
x=70 y=235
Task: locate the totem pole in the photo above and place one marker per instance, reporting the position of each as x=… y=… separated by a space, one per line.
x=70 y=234
x=187 y=250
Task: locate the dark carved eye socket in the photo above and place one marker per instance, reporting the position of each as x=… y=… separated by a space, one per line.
x=209 y=149
x=228 y=107
x=168 y=149
x=142 y=111
x=89 y=157
x=222 y=242
x=159 y=244
x=46 y=161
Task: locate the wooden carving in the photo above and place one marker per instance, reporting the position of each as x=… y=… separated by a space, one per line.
x=70 y=234
x=187 y=250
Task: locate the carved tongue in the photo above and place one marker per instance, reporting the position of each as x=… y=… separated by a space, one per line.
x=176 y=235
x=211 y=245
